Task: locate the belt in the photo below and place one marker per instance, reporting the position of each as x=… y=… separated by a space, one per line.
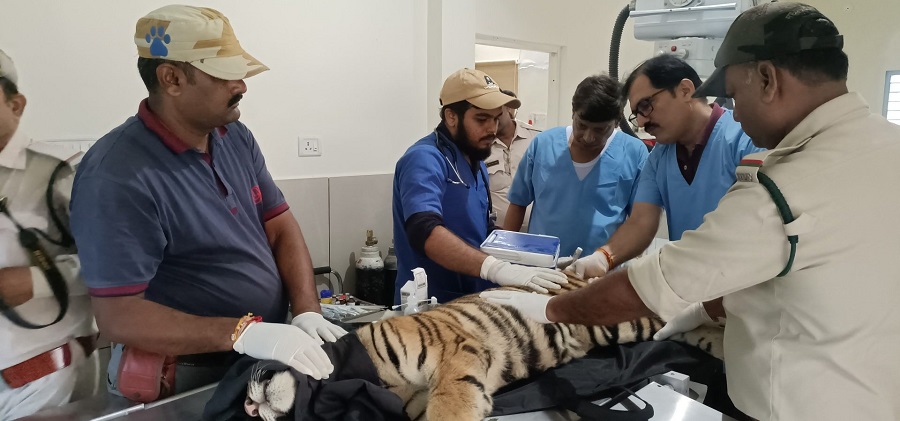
x=45 y=363
x=212 y=359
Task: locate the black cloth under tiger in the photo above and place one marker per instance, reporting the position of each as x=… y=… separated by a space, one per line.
x=352 y=392
x=608 y=368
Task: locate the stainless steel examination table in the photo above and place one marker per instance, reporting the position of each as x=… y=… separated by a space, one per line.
x=667 y=405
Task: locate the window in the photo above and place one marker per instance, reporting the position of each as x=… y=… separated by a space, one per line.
x=892 y=96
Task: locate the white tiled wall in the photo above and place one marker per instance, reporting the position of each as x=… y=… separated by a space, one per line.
x=334 y=214
x=358 y=203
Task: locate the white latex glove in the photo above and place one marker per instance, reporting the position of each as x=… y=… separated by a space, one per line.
x=508 y=274
x=286 y=344
x=564 y=262
x=689 y=319
x=592 y=266
x=316 y=326
x=533 y=306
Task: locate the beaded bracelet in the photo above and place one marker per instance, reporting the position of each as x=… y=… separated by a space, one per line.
x=242 y=325
x=609 y=259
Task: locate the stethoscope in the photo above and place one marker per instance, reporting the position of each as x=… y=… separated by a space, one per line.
x=443 y=144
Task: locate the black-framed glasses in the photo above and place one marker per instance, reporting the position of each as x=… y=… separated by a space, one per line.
x=643 y=108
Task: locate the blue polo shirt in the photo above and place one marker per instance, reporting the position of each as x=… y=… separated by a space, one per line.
x=151 y=215
x=425 y=181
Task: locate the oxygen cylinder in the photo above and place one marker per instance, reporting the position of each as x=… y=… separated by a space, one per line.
x=390 y=275
x=370 y=272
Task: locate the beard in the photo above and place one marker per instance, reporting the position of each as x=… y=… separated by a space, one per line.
x=465 y=144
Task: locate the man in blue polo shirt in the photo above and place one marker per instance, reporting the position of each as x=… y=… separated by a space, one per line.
x=181 y=230
x=441 y=203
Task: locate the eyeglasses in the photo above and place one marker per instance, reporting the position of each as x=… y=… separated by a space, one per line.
x=643 y=108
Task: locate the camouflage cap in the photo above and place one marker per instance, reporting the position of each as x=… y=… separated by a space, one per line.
x=7 y=69
x=476 y=87
x=765 y=32
x=200 y=36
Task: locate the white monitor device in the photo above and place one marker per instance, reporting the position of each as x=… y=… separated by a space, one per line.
x=690 y=29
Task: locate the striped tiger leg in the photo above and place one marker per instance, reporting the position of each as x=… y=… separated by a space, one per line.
x=458 y=391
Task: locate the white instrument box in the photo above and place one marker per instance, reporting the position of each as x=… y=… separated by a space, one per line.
x=522 y=248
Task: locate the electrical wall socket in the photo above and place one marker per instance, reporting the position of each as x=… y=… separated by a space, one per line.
x=308 y=146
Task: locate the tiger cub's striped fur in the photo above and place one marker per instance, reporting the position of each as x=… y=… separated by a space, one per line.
x=447 y=362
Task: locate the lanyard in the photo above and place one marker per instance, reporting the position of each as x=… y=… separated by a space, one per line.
x=440 y=144
x=28 y=239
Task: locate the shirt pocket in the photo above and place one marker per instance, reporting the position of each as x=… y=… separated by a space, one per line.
x=609 y=195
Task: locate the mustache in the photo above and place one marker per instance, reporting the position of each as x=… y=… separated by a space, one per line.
x=235 y=99
x=648 y=127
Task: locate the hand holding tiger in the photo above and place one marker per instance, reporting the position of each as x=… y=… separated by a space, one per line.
x=508 y=274
x=316 y=326
x=690 y=318
x=533 y=306
x=286 y=344
x=593 y=266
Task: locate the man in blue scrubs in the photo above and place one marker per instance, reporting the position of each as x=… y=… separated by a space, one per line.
x=581 y=178
x=441 y=203
x=689 y=170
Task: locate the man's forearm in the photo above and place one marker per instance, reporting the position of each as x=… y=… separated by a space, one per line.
x=16 y=285
x=294 y=263
x=635 y=235
x=607 y=301
x=453 y=253
x=515 y=217
x=153 y=327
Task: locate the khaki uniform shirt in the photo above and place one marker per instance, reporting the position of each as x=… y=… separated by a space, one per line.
x=25 y=171
x=501 y=167
x=822 y=342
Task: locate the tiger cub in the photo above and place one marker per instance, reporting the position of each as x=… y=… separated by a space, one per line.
x=447 y=362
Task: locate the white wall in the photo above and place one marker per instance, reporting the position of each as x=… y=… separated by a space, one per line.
x=349 y=71
x=582 y=27
x=534 y=77
x=871 y=40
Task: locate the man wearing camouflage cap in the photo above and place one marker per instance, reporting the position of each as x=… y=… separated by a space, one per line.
x=441 y=204
x=184 y=232
x=811 y=335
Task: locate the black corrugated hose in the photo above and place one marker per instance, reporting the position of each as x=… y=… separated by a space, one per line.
x=614 y=56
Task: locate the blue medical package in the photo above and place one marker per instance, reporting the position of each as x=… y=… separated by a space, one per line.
x=522 y=248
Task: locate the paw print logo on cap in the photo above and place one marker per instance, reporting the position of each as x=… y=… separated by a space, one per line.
x=158 y=38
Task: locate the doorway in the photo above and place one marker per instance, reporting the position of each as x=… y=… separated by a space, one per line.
x=530 y=70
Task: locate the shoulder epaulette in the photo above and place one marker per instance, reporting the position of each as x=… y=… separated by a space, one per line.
x=57 y=152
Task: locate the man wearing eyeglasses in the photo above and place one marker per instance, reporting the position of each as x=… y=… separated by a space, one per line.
x=513 y=138
x=690 y=169
x=582 y=178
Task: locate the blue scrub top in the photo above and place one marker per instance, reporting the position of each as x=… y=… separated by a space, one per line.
x=424 y=181
x=663 y=185
x=582 y=213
